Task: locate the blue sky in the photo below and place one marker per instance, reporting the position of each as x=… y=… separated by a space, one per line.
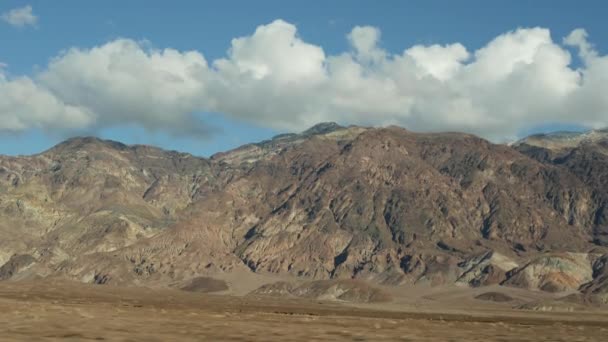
x=209 y=28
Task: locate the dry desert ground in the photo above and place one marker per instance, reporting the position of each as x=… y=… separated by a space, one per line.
x=48 y=311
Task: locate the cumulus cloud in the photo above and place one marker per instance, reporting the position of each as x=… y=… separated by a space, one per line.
x=20 y=17
x=364 y=40
x=24 y=104
x=274 y=78
x=440 y=62
x=578 y=38
x=122 y=82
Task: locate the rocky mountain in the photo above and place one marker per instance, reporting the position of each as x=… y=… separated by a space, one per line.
x=382 y=205
x=584 y=155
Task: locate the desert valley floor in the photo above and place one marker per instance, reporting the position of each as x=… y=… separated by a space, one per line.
x=58 y=310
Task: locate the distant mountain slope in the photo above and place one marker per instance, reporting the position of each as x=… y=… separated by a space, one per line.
x=564 y=140
x=380 y=204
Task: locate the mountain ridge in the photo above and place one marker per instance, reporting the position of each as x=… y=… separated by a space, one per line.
x=318 y=129
x=384 y=205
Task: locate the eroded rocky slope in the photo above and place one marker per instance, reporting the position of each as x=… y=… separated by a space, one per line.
x=381 y=205
x=584 y=155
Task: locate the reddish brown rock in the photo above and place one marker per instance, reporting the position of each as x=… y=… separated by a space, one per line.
x=381 y=205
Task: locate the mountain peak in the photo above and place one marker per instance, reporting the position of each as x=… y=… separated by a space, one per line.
x=563 y=139
x=255 y=151
x=322 y=128
x=86 y=142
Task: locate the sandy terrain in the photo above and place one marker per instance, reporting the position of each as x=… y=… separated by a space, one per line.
x=56 y=310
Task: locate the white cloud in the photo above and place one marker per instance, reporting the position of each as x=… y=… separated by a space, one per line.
x=273 y=52
x=20 y=17
x=578 y=39
x=271 y=77
x=441 y=62
x=24 y=104
x=276 y=79
x=365 y=39
x=123 y=82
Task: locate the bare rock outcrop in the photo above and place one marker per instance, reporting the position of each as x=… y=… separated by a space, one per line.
x=553 y=272
x=378 y=205
x=334 y=290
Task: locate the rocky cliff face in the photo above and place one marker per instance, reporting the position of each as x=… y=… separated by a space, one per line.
x=584 y=155
x=384 y=205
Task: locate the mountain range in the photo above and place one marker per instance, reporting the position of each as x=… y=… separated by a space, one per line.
x=380 y=205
